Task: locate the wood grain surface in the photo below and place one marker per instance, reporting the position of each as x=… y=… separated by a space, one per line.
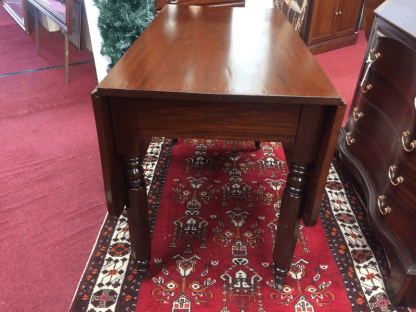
x=220 y=54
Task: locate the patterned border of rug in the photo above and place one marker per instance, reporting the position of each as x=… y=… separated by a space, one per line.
x=111 y=283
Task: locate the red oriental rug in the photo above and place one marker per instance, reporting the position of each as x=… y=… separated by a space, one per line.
x=214 y=207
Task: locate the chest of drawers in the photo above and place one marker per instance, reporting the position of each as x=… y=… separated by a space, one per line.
x=378 y=144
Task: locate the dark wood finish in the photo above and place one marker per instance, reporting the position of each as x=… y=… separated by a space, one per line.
x=111 y=163
x=319 y=174
x=336 y=43
x=290 y=215
x=333 y=24
x=324 y=12
x=206 y=75
x=347 y=18
x=369 y=7
x=389 y=110
x=160 y=4
x=137 y=212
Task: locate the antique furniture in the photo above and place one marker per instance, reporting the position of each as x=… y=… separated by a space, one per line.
x=61 y=12
x=159 y=4
x=207 y=73
x=369 y=7
x=379 y=140
x=17 y=9
x=332 y=24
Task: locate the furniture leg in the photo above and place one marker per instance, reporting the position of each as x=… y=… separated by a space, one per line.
x=257 y=143
x=37 y=29
x=111 y=163
x=66 y=59
x=137 y=213
x=289 y=221
x=174 y=141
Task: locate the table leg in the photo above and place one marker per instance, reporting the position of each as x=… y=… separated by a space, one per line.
x=174 y=141
x=137 y=213
x=258 y=145
x=37 y=29
x=66 y=59
x=289 y=221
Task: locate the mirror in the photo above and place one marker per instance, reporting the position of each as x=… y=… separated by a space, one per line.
x=17 y=9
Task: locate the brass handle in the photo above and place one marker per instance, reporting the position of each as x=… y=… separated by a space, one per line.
x=412 y=145
x=357 y=116
x=172 y=1
x=372 y=57
x=385 y=210
x=339 y=12
x=336 y=13
x=399 y=179
x=367 y=88
x=349 y=139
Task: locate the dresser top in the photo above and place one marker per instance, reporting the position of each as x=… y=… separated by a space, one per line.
x=401 y=13
x=220 y=54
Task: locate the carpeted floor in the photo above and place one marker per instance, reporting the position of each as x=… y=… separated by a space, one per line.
x=20 y=51
x=52 y=202
x=214 y=207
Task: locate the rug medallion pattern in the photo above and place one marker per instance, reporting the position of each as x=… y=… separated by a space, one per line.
x=216 y=229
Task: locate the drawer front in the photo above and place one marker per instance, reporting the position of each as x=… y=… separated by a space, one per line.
x=403 y=194
x=398 y=220
x=408 y=147
x=379 y=147
x=397 y=63
x=373 y=143
x=381 y=94
x=366 y=151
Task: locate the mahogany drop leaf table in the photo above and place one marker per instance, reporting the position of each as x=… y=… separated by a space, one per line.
x=218 y=73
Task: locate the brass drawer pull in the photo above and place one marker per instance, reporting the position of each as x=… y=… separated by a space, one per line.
x=372 y=57
x=385 y=210
x=412 y=145
x=349 y=139
x=367 y=88
x=357 y=116
x=399 y=179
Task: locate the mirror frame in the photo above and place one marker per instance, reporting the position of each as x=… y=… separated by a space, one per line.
x=65 y=24
x=16 y=17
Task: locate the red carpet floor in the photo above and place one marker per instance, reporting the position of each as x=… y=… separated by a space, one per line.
x=20 y=51
x=214 y=206
x=51 y=196
x=342 y=66
x=52 y=202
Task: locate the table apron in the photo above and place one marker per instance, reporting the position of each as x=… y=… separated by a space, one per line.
x=203 y=120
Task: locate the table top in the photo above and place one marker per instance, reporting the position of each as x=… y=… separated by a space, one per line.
x=401 y=13
x=220 y=54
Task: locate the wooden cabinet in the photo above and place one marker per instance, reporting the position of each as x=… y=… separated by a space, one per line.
x=333 y=24
x=159 y=4
x=378 y=144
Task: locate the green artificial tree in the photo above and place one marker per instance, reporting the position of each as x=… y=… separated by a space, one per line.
x=120 y=23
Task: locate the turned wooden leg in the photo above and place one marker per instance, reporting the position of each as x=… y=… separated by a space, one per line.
x=289 y=221
x=257 y=143
x=137 y=213
x=174 y=141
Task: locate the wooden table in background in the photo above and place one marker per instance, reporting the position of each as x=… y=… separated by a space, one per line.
x=218 y=73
